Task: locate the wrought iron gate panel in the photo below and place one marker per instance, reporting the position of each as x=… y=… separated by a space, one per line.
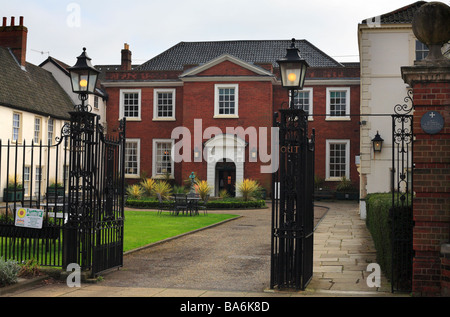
x=108 y=247
x=94 y=233
x=292 y=204
x=401 y=212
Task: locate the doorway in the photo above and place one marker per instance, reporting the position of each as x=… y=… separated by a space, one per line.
x=226 y=177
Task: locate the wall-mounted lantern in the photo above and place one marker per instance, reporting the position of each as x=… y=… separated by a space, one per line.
x=377 y=142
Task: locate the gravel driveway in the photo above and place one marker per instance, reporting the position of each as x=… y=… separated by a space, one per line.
x=231 y=256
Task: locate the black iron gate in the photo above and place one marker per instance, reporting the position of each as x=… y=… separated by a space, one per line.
x=76 y=186
x=292 y=203
x=401 y=212
x=94 y=232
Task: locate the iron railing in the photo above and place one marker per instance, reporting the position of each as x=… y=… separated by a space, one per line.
x=401 y=212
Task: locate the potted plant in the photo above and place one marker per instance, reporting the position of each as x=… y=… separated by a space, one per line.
x=55 y=189
x=320 y=190
x=14 y=190
x=346 y=190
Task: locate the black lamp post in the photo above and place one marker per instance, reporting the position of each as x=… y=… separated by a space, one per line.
x=377 y=142
x=83 y=77
x=293 y=70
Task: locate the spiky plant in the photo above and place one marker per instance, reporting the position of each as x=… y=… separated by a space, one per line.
x=203 y=189
x=163 y=188
x=134 y=191
x=248 y=188
x=147 y=185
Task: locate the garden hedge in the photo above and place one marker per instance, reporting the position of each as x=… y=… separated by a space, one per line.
x=379 y=223
x=212 y=204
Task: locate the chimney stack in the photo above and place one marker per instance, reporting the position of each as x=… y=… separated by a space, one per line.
x=126 y=58
x=14 y=37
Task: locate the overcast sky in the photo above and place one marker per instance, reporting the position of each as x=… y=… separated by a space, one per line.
x=61 y=28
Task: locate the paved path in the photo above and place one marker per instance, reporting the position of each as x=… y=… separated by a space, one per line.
x=233 y=259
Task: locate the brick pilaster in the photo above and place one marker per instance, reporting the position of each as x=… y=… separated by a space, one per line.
x=431 y=183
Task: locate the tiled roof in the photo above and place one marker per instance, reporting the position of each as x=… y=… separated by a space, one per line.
x=253 y=52
x=33 y=89
x=402 y=15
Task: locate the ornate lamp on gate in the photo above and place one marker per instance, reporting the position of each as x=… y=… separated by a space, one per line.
x=293 y=70
x=83 y=77
x=82 y=129
x=292 y=207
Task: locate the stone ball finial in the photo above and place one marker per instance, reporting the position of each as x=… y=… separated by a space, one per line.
x=431 y=23
x=431 y=26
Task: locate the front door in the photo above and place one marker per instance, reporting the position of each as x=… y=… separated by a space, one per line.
x=226 y=177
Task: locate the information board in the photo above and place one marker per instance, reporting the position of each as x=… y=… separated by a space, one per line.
x=29 y=218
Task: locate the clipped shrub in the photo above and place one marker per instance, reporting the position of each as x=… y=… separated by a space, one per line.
x=212 y=204
x=379 y=220
x=9 y=270
x=379 y=225
x=235 y=204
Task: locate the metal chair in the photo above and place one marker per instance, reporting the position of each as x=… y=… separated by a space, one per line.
x=160 y=203
x=204 y=206
x=193 y=199
x=181 y=203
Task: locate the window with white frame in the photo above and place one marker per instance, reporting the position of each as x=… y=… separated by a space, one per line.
x=38 y=179
x=17 y=123
x=50 y=129
x=132 y=157
x=303 y=99
x=96 y=102
x=37 y=130
x=26 y=180
x=164 y=104
x=338 y=103
x=421 y=50
x=337 y=159
x=163 y=164
x=226 y=100
x=130 y=104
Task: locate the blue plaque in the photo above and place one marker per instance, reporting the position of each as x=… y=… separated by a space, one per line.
x=432 y=122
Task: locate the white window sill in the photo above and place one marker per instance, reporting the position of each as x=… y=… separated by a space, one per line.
x=132 y=176
x=333 y=179
x=164 y=119
x=131 y=119
x=337 y=119
x=226 y=116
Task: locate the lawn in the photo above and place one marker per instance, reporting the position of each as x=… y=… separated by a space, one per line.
x=145 y=227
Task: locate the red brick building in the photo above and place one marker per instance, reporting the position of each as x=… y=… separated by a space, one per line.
x=207 y=107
